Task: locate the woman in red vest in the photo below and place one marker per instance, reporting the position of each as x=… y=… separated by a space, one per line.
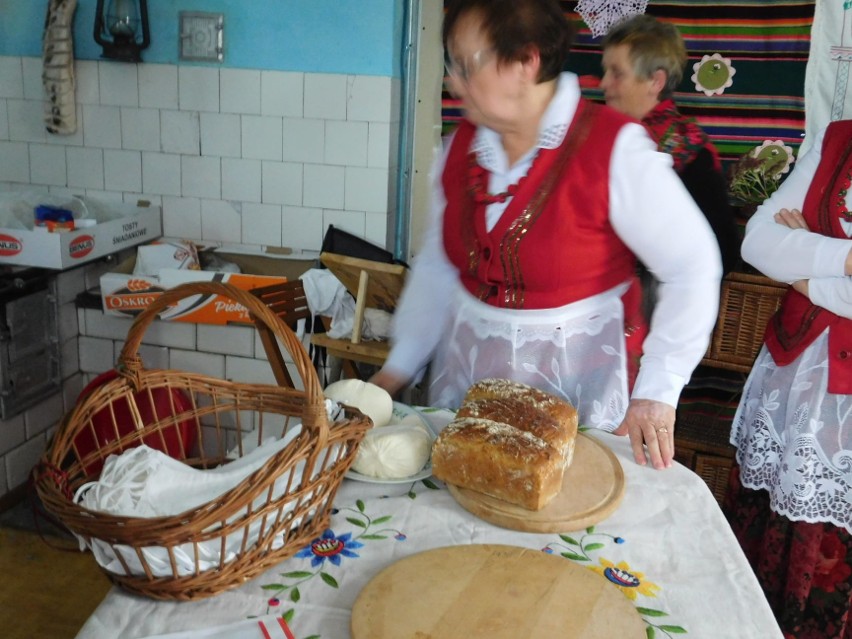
x=542 y=202
x=790 y=499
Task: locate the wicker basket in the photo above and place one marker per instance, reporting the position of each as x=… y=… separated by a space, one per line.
x=269 y=528
x=746 y=304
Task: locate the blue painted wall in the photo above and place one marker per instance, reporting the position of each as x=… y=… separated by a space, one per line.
x=321 y=36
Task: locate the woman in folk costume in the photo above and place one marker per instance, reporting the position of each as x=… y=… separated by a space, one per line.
x=541 y=202
x=643 y=62
x=790 y=498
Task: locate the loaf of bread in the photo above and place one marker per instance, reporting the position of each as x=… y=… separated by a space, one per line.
x=510 y=441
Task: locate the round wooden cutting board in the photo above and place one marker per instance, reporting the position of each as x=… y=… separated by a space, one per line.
x=493 y=591
x=592 y=489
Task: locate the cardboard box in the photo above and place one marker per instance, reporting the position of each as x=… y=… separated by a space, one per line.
x=126 y=295
x=129 y=226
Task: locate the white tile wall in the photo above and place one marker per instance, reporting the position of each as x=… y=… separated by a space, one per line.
x=304 y=140
x=260 y=222
x=86 y=79
x=232 y=155
x=228 y=340
x=346 y=143
x=158 y=86
x=161 y=174
x=367 y=190
x=196 y=362
x=325 y=96
x=47 y=165
x=198 y=89
x=140 y=129
x=181 y=217
x=324 y=186
x=282 y=93
x=180 y=132
x=20 y=461
x=25 y=120
x=239 y=91
x=251 y=371
x=261 y=137
x=96 y=355
x=282 y=182
x=302 y=227
x=14 y=434
x=4 y=120
x=101 y=127
x=123 y=171
x=118 y=84
x=220 y=221
x=85 y=167
x=14 y=162
x=220 y=134
x=201 y=176
x=241 y=180
x=44 y=415
x=33 y=86
x=11 y=77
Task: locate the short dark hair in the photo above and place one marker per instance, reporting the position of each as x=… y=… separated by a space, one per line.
x=653 y=46
x=514 y=26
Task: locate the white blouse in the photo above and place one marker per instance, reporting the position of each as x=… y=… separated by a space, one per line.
x=788 y=255
x=650 y=210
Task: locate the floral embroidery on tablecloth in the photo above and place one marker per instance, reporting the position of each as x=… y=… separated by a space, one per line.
x=328 y=551
x=626 y=578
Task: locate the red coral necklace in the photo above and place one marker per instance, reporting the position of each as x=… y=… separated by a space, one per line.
x=477 y=178
x=840 y=204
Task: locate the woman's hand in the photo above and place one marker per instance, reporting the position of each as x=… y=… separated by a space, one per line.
x=650 y=423
x=792 y=219
x=390 y=382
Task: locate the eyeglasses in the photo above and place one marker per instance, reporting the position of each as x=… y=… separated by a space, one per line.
x=462 y=70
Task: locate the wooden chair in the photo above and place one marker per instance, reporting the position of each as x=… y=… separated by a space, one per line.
x=373 y=285
x=287 y=301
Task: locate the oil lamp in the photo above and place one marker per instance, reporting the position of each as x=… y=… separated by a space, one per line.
x=122 y=29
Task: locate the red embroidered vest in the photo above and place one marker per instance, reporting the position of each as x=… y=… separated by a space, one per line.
x=798 y=321
x=554 y=244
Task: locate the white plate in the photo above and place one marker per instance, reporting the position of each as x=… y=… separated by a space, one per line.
x=402 y=414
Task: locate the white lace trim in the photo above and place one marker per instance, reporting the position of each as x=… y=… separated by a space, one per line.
x=487 y=156
x=600 y=15
x=793 y=438
x=801 y=485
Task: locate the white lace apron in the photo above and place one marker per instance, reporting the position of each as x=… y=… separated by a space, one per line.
x=576 y=351
x=794 y=439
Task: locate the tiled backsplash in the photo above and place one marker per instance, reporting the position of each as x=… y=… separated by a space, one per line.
x=237 y=155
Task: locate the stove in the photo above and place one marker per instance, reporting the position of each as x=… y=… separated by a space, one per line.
x=29 y=338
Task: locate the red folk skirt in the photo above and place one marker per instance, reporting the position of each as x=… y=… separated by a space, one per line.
x=805 y=569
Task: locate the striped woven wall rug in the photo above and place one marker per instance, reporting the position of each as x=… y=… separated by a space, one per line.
x=766 y=42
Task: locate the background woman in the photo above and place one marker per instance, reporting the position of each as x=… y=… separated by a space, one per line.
x=790 y=499
x=643 y=62
x=541 y=202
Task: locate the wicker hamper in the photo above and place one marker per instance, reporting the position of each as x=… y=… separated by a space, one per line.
x=746 y=304
x=268 y=525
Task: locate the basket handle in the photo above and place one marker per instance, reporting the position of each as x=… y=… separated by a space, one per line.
x=260 y=313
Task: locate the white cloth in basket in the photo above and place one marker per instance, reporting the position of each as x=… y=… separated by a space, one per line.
x=143 y=482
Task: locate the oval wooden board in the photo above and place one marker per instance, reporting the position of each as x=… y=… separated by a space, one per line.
x=493 y=591
x=592 y=489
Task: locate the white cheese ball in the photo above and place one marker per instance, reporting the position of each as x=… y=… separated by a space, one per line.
x=374 y=401
x=393 y=452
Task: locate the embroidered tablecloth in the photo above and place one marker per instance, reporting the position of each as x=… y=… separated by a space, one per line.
x=667 y=547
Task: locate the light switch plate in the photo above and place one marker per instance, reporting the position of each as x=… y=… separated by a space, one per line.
x=202 y=36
